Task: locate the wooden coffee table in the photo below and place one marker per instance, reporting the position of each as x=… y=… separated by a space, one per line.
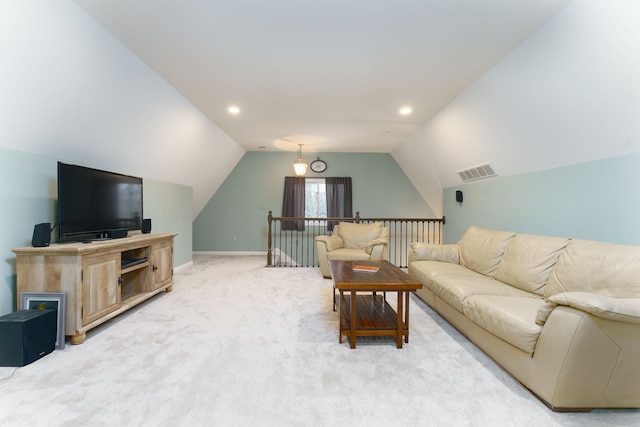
x=371 y=315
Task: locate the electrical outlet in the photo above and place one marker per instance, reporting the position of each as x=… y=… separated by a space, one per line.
x=234 y=238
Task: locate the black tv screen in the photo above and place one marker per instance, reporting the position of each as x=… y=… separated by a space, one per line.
x=96 y=202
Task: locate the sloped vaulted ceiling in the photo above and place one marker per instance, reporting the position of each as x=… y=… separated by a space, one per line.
x=331 y=74
x=570 y=93
x=328 y=73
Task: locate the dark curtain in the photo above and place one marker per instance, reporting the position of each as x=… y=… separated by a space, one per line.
x=293 y=202
x=338 y=199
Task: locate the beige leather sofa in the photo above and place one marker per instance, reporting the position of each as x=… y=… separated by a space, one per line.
x=351 y=241
x=561 y=315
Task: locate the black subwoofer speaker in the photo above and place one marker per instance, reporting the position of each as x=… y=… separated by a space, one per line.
x=26 y=336
x=41 y=235
x=146 y=226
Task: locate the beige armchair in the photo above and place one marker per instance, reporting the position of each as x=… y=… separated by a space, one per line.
x=351 y=241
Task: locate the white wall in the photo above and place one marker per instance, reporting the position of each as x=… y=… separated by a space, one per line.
x=72 y=92
x=568 y=94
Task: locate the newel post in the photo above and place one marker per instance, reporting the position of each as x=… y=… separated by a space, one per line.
x=269 y=250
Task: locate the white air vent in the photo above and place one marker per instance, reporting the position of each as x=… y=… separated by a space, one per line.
x=477 y=172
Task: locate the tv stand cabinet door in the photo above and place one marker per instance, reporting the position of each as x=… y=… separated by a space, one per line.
x=100 y=286
x=161 y=264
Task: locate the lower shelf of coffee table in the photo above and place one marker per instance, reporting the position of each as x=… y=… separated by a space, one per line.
x=374 y=316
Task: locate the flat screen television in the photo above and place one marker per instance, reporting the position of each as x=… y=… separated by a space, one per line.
x=97 y=203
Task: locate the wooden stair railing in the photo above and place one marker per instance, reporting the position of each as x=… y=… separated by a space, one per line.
x=297 y=248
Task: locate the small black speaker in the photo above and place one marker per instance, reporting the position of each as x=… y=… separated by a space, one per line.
x=26 y=336
x=41 y=235
x=146 y=226
x=458 y=196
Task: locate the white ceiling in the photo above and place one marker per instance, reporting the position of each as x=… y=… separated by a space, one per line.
x=330 y=74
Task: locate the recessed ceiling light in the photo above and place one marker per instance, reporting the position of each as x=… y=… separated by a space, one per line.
x=384 y=133
x=405 y=110
x=234 y=110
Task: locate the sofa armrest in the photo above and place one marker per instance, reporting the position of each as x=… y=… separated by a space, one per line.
x=378 y=253
x=375 y=242
x=331 y=242
x=326 y=244
x=617 y=309
x=434 y=252
x=585 y=361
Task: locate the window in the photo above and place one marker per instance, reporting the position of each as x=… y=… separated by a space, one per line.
x=315 y=198
x=328 y=198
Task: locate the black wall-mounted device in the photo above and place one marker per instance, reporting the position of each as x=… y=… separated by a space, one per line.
x=458 y=196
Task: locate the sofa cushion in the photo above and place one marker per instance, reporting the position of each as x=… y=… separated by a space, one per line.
x=481 y=249
x=454 y=283
x=434 y=252
x=357 y=236
x=601 y=268
x=344 y=254
x=509 y=318
x=427 y=271
x=528 y=260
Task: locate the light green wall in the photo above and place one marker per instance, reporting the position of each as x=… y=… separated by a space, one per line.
x=169 y=207
x=240 y=206
x=28 y=194
x=596 y=200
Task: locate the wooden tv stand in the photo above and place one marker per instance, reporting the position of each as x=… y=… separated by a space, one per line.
x=95 y=277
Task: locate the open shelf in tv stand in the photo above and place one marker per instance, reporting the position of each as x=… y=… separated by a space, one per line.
x=96 y=284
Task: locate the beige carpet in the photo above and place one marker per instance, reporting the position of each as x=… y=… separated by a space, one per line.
x=237 y=344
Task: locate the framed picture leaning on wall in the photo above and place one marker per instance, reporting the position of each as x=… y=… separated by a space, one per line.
x=44 y=301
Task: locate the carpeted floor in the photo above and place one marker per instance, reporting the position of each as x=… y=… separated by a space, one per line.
x=238 y=344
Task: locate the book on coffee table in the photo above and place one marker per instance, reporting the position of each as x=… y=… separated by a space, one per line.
x=366 y=268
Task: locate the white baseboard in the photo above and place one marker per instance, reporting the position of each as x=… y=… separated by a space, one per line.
x=183 y=266
x=230 y=253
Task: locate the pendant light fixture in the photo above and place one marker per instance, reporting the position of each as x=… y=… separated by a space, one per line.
x=300 y=166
